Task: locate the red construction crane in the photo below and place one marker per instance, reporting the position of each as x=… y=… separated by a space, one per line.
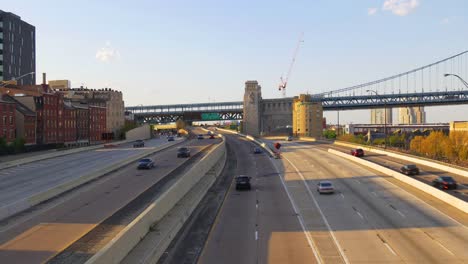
x=284 y=82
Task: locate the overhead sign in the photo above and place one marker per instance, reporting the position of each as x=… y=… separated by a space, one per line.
x=210 y=116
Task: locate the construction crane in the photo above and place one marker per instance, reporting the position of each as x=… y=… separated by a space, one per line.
x=284 y=81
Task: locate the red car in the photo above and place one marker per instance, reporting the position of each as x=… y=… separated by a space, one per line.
x=357 y=152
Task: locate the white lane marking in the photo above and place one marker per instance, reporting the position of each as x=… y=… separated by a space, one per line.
x=440 y=244
x=360 y=215
x=342 y=196
x=375 y=194
x=256 y=206
x=402 y=215
x=256 y=235
x=390 y=248
x=320 y=211
x=358 y=181
x=299 y=217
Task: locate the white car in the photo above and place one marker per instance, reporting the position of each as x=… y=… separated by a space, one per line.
x=289 y=138
x=325 y=187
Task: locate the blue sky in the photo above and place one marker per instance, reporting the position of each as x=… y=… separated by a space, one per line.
x=162 y=52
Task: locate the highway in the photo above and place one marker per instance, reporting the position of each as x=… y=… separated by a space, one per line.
x=21 y=182
x=368 y=220
x=78 y=224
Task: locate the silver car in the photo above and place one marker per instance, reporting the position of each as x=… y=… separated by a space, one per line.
x=325 y=187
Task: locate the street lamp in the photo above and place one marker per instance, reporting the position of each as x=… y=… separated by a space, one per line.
x=2 y=83
x=460 y=78
x=385 y=116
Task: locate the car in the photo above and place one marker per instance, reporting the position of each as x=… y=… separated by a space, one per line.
x=183 y=152
x=139 y=143
x=289 y=138
x=444 y=183
x=409 y=170
x=170 y=138
x=146 y=163
x=200 y=136
x=257 y=150
x=325 y=187
x=357 y=152
x=212 y=136
x=243 y=182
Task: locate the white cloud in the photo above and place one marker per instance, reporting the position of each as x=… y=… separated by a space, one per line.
x=107 y=53
x=400 y=7
x=371 y=11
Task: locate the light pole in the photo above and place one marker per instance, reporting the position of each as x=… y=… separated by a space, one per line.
x=2 y=83
x=460 y=78
x=385 y=116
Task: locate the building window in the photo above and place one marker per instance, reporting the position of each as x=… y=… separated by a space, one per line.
x=11 y=120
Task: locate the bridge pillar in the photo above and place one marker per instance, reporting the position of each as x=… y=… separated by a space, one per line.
x=252 y=103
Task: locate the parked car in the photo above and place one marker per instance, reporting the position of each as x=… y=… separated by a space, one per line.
x=257 y=150
x=409 y=170
x=170 y=138
x=200 y=136
x=139 y=143
x=325 y=187
x=145 y=164
x=183 y=152
x=444 y=183
x=357 y=152
x=289 y=138
x=243 y=182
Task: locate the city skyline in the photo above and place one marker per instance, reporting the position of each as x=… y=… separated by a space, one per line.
x=159 y=53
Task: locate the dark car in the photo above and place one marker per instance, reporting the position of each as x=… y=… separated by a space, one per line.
x=357 y=152
x=444 y=183
x=212 y=136
x=145 y=164
x=138 y=144
x=243 y=182
x=200 y=136
x=409 y=170
x=170 y=138
x=257 y=150
x=183 y=152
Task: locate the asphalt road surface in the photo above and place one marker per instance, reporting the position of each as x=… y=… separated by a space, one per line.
x=21 y=182
x=41 y=235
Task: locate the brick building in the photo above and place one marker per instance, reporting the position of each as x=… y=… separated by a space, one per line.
x=82 y=123
x=25 y=121
x=97 y=124
x=69 y=124
x=7 y=121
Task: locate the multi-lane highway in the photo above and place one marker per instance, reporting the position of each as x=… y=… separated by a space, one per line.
x=72 y=225
x=21 y=182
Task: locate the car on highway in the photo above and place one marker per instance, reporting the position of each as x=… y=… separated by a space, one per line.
x=243 y=182
x=200 y=136
x=444 y=183
x=357 y=152
x=289 y=138
x=325 y=187
x=170 y=138
x=212 y=136
x=145 y=163
x=183 y=152
x=410 y=170
x=138 y=143
x=257 y=150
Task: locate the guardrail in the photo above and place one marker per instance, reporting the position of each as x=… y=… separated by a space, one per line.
x=132 y=234
x=432 y=164
x=445 y=197
x=254 y=140
x=23 y=204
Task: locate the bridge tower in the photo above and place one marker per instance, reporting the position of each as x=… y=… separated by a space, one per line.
x=252 y=105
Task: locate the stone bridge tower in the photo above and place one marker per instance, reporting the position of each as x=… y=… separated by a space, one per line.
x=252 y=108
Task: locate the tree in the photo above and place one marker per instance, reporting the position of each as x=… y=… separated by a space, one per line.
x=330 y=134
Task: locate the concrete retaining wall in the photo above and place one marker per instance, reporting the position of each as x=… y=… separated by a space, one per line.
x=24 y=204
x=441 y=195
x=141 y=132
x=408 y=158
x=124 y=242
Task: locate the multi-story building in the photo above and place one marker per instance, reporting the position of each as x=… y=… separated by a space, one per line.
x=59 y=85
x=378 y=116
x=69 y=124
x=25 y=121
x=412 y=115
x=307 y=117
x=7 y=121
x=97 y=123
x=17 y=49
x=461 y=126
x=82 y=122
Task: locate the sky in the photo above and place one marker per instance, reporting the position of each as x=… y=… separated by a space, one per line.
x=169 y=52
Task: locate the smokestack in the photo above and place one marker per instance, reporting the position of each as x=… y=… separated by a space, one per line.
x=44 y=79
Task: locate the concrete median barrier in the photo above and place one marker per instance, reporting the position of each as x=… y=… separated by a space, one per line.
x=127 y=239
x=436 y=165
x=441 y=195
x=14 y=208
x=58 y=153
